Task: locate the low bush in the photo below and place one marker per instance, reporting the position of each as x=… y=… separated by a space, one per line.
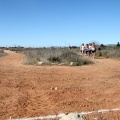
x=3 y=54
x=54 y=59
x=73 y=57
x=109 y=53
x=54 y=55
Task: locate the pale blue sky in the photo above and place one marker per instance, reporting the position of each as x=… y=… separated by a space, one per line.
x=44 y=23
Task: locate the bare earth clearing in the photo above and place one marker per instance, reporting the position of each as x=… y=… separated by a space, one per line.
x=25 y=91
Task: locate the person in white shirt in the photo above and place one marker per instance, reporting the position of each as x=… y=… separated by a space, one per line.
x=82 y=48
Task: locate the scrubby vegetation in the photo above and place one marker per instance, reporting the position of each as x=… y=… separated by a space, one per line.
x=2 y=53
x=109 y=51
x=55 y=56
x=64 y=56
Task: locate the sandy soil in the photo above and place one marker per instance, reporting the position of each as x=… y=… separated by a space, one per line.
x=25 y=91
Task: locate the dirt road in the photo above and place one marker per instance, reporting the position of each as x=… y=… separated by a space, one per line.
x=25 y=91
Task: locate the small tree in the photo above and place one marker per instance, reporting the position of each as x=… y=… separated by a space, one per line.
x=102 y=45
x=118 y=44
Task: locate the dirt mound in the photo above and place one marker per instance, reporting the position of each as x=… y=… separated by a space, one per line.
x=25 y=91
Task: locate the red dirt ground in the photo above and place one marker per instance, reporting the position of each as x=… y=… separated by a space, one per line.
x=25 y=90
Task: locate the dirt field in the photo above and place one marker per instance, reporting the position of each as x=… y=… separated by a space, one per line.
x=25 y=91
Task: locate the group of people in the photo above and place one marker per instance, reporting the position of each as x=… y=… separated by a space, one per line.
x=88 y=49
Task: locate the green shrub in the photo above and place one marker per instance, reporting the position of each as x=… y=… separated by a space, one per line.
x=99 y=54
x=3 y=54
x=54 y=59
x=110 y=52
x=77 y=59
x=54 y=55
